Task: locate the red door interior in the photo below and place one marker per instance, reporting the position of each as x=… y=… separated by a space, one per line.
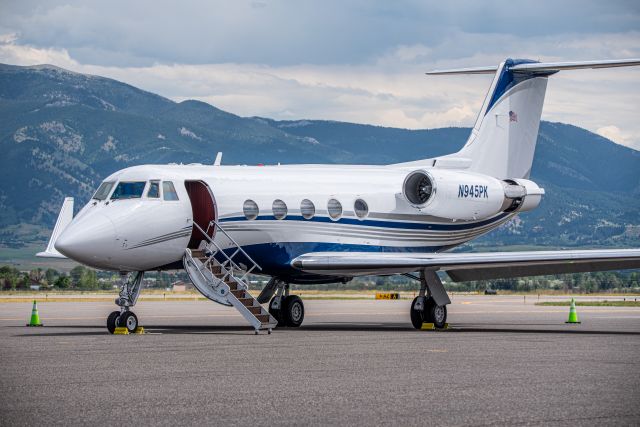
x=203 y=207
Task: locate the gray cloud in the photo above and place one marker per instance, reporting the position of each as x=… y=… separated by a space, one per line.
x=128 y=33
x=342 y=60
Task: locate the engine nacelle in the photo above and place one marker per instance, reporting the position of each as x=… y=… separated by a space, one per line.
x=467 y=195
x=521 y=195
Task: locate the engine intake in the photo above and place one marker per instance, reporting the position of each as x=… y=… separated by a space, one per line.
x=418 y=188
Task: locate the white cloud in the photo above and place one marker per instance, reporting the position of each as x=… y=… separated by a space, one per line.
x=17 y=54
x=615 y=134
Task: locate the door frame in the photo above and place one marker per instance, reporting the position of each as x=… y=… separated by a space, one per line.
x=194 y=241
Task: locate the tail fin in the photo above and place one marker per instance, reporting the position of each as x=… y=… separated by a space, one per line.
x=503 y=139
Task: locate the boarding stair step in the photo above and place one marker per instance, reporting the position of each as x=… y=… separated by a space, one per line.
x=211 y=276
x=255 y=309
x=239 y=293
x=198 y=253
x=263 y=318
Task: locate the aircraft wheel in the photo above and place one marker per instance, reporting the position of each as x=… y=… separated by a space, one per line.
x=128 y=320
x=293 y=311
x=417 y=317
x=276 y=312
x=112 y=321
x=438 y=314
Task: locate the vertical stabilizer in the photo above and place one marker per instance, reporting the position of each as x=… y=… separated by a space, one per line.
x=503 y=139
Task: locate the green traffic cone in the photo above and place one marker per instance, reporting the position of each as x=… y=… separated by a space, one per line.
x=573 y=315
x=35 y=317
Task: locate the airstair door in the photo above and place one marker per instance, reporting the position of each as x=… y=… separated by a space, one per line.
x=203 y=207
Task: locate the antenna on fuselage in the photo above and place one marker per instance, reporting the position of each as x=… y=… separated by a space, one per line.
x=218 y=159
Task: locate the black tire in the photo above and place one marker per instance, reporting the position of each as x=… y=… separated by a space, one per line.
x=417 y=317
x=428 y=310
x=438 y=314
x=293 y=311
x=128 y=320
x=276 y=312
x=112 y=321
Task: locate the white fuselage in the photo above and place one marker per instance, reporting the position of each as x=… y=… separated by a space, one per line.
x=152 y=233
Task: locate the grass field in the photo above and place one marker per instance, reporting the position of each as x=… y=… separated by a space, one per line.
x=605 y=303
x=161 y=295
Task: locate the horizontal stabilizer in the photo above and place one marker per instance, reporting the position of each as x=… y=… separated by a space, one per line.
x=534 y=67
x=64 y=219
x=473 y=70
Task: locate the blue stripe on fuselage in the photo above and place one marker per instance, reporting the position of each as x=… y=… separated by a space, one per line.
x=378 y=223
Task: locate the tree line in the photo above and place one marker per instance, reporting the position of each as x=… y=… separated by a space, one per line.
x=82 y=278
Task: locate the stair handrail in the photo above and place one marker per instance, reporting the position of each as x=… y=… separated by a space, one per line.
x=235 y=243
x=219 y=249
x=229 y=258
x=240 y=249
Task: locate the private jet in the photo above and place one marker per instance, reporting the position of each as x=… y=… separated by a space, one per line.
x=311 y=224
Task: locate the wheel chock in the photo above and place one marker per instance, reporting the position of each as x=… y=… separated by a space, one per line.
x=121 y=331
x=432 y=327
x=139 y=330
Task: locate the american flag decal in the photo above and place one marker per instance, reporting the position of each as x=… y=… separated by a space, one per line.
x=513 y=117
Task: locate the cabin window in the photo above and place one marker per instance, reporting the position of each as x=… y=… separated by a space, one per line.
x=307 y=209
x=103 y=191
x=250 y=209
x=335 y=209
x=361 y=208
x=169 y=191
x=128 y=190
x=279 y=209
x=154 y=190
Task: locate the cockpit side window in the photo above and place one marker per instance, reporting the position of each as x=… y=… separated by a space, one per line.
x=154 y=190
x=169 y=191
x=129 y=190
x=103 y=191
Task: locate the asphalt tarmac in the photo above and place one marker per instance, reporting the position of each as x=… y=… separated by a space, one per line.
x=505 y=362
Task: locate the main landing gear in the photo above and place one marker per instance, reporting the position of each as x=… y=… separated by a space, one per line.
x=129 y=290
x=430 y=306
x=287 y=309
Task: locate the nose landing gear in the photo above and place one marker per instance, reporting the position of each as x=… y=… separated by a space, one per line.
x=130 y=287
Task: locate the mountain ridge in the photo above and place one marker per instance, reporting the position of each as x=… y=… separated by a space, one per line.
x=62 y=132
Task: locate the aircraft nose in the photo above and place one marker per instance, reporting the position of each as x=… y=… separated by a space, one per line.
x=88 y=240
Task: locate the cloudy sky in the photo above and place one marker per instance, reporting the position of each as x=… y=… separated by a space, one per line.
x=359 y=61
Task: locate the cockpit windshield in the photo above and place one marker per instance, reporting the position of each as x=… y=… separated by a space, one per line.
x=128 y=190
x=103 y=191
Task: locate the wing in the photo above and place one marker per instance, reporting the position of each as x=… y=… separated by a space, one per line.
x=469 y=266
